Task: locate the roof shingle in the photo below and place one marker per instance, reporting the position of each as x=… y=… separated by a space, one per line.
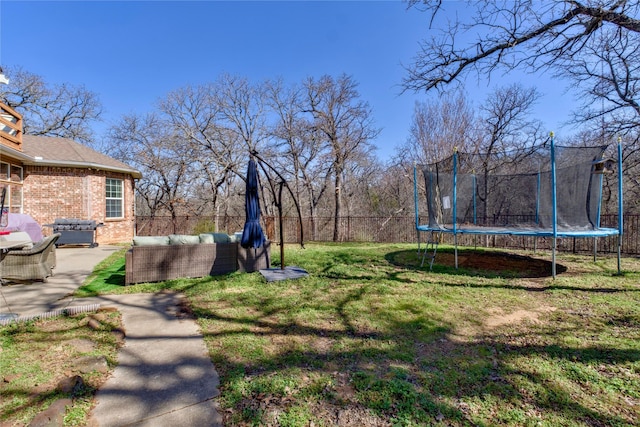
x=64 y=150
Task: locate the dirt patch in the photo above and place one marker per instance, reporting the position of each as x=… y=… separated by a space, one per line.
x=500 y=318
x=482 y=263
x=499 y=263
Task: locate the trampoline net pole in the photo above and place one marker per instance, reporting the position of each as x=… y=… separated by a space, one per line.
x=455 y=204
x=415 y=202
x=554 y=207
x=619 y=250
x=553 y=259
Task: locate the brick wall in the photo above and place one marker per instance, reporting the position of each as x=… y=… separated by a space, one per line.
x=65 y=192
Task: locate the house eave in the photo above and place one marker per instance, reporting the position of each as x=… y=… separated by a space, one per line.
x=18 y=155
x=83 y=165
x=38 y=161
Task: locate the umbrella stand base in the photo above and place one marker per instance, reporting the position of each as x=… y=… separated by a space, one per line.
x=278 y=274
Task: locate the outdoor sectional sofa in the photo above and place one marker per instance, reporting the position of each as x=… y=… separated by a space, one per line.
x=159 y=258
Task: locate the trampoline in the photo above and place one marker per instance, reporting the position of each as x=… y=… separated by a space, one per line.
x=541 y=191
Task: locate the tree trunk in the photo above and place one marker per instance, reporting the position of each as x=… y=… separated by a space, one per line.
x=312 y=217
x=338 y=207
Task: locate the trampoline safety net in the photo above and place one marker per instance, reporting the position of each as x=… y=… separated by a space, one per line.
x=515 y=190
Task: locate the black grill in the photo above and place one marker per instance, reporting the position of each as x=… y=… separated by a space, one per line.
x=75 y=231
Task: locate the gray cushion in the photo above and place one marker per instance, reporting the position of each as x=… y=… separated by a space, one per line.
x=206 y=238
x=220 y=237
x=151 y=241
x=183 y=239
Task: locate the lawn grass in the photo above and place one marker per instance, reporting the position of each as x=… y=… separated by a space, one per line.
x=371 y=338
x=45 y=360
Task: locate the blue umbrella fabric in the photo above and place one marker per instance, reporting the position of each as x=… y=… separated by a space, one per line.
x=252 y=235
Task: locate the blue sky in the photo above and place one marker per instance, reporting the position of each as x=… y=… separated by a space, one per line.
x=131 y=53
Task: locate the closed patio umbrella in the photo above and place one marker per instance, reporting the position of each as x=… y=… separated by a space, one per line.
x=252 y=235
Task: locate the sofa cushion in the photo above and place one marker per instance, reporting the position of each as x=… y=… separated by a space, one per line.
x=217 y=238
x=221 y=238
x=206 y=238
x=236 y=237
x=151 y=241
x=183 y=239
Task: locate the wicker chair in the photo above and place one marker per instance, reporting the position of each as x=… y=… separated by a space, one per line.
x=36 y=263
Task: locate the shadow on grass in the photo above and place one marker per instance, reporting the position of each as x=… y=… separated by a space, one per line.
x=30 y=387
x=116 y=278
x=355 y=358
x=279 y=349
x=407 y=372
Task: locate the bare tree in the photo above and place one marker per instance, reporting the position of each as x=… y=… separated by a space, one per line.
x=51 y=110
x=242 y=109
x=507 y=137
x=196 y=115
x=500 y=128
x=360 y=174
x=149 y=144
x=315 y=134
x=300 y=148
x=437 y=127
x=532 y=34
x=390 y=190
x=505 y=121
x=242 y=113
x=345 y=122
x=608 y=78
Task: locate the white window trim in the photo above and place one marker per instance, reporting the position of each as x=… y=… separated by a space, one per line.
x=10 y=202
x=121 y=199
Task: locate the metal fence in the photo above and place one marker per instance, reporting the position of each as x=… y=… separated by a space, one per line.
x=397 y=229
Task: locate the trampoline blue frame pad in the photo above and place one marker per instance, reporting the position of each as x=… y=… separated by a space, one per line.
x=523 y=231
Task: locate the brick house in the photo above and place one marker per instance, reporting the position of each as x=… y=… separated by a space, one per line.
x=49 y=178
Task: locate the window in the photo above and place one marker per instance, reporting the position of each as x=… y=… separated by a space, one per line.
x=4 y=171
x=115 y=200
x=16 y=173
x=15 y=197
x=11 y=177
